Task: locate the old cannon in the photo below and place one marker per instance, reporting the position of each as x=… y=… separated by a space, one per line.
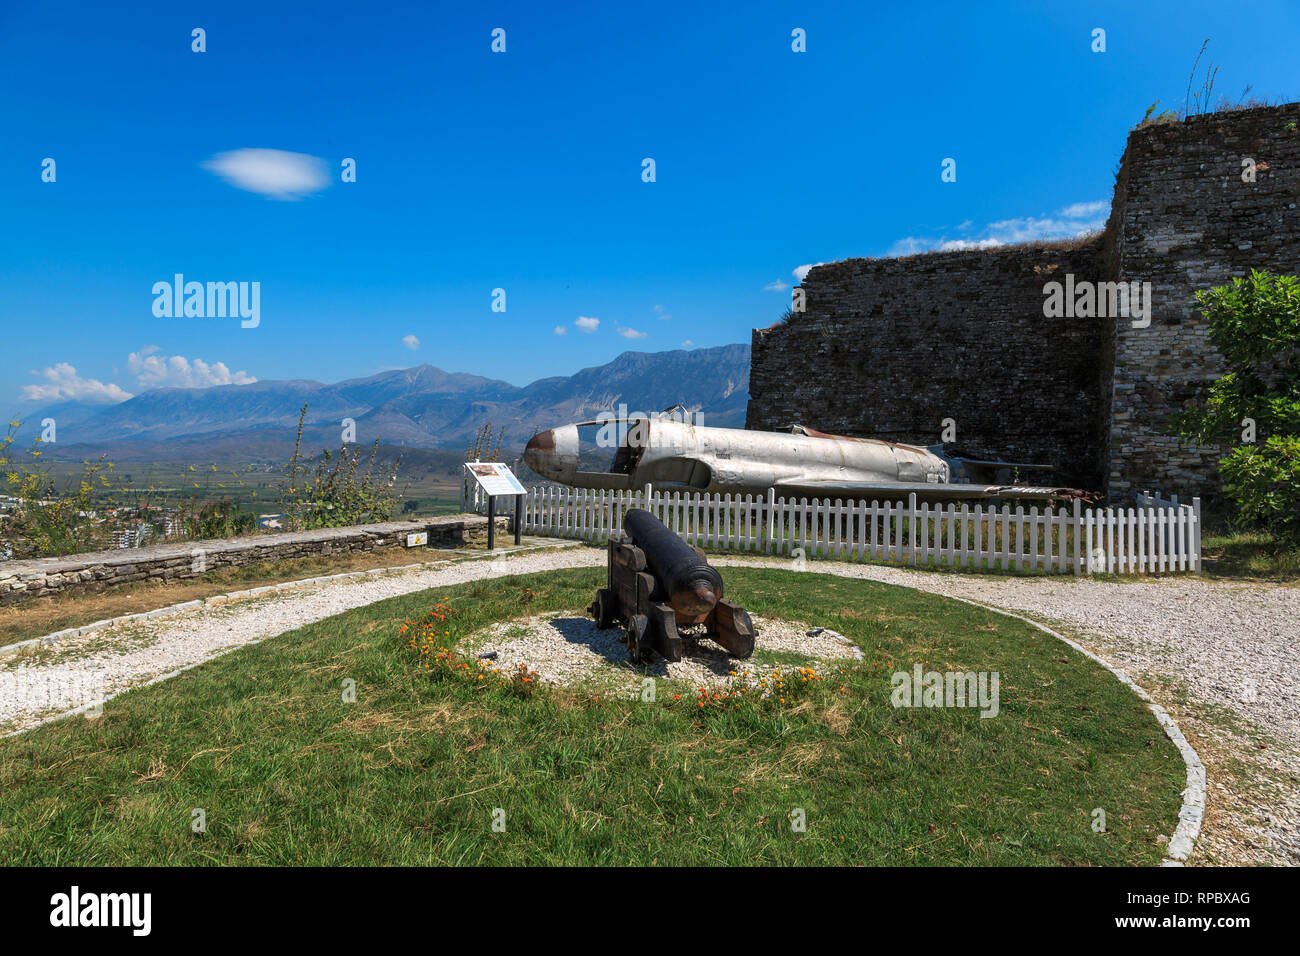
x=656 y=582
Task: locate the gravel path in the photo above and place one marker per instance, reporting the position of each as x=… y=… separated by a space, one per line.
x=1190 y=643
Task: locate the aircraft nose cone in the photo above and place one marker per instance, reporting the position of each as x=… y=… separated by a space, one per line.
x=542 y=441
x=539 y=453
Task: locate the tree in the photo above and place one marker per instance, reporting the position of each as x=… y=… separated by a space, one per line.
x=1255 y=325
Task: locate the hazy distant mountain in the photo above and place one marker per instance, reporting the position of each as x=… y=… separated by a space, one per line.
x=422 y=407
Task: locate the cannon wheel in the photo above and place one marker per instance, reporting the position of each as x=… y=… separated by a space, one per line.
x=637 y=639
x=604 y=608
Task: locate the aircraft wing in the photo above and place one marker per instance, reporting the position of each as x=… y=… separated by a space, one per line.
x=925 y=491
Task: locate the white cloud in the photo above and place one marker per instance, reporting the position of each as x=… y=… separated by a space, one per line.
x=1030 y=229
x=908 y=246
x=688 y=344
x=152 y=370
x=1085 y=210
x=561 y=330
x=62 y=383
x=271 y=172
x=662 y=314
x=1070 y=222
x=411 y=342
x=631 y=334
x=952 y=245
x=804 y=269
x=777 y=286
x=587 y=323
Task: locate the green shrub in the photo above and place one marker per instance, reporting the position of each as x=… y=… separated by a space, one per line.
x=1255 y=325
x=1264 y=485
x=328 y=492
x=45 y=519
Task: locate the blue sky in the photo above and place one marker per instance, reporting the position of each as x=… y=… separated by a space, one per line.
x=523 y=170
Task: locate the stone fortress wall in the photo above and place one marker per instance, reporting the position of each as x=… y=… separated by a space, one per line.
x=890 y=348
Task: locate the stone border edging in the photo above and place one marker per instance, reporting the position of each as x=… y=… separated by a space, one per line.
x=1181 y=843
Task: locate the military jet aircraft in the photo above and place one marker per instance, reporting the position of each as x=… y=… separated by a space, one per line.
x=802 y=462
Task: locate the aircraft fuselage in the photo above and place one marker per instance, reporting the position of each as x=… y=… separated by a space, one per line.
x=671 y=455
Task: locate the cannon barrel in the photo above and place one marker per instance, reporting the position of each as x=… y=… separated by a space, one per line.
x=657 y=582
x=691 y=586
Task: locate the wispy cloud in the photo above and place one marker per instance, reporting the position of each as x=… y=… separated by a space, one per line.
x=688 y=344
x=1069 y=222
x=153 y=370
x=411 y=342
x=62 y=383
x=631 y=333
x=587 y=323
x=1086 y=210
x=273 y=173
x=777 y=286
x=659 y=310
x=561 y=330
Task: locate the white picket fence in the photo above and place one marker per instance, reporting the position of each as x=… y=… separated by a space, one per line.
x=1156 y=537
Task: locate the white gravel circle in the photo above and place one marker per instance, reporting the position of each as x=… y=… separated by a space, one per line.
x=568 y=648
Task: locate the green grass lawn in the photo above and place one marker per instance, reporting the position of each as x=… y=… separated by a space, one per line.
x=1237 y=555
x=286 y=772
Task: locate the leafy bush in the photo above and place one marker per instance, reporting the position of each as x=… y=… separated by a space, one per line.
x=328 y=493
x=46 y=520
x=1255 y=325
x=221 y=519
x=1264 y=485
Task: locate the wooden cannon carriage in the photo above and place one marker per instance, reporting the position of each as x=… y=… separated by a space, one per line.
x=656 y=582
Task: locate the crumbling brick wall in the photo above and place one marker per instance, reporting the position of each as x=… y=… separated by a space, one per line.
x=1184 y=220
x=891 y=347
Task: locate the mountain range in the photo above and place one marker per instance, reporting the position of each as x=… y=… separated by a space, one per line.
x=422 y=407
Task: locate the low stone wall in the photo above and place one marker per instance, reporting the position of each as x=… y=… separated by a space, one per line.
x=48 y=577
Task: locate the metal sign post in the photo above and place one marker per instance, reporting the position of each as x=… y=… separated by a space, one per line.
x=497 y=480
